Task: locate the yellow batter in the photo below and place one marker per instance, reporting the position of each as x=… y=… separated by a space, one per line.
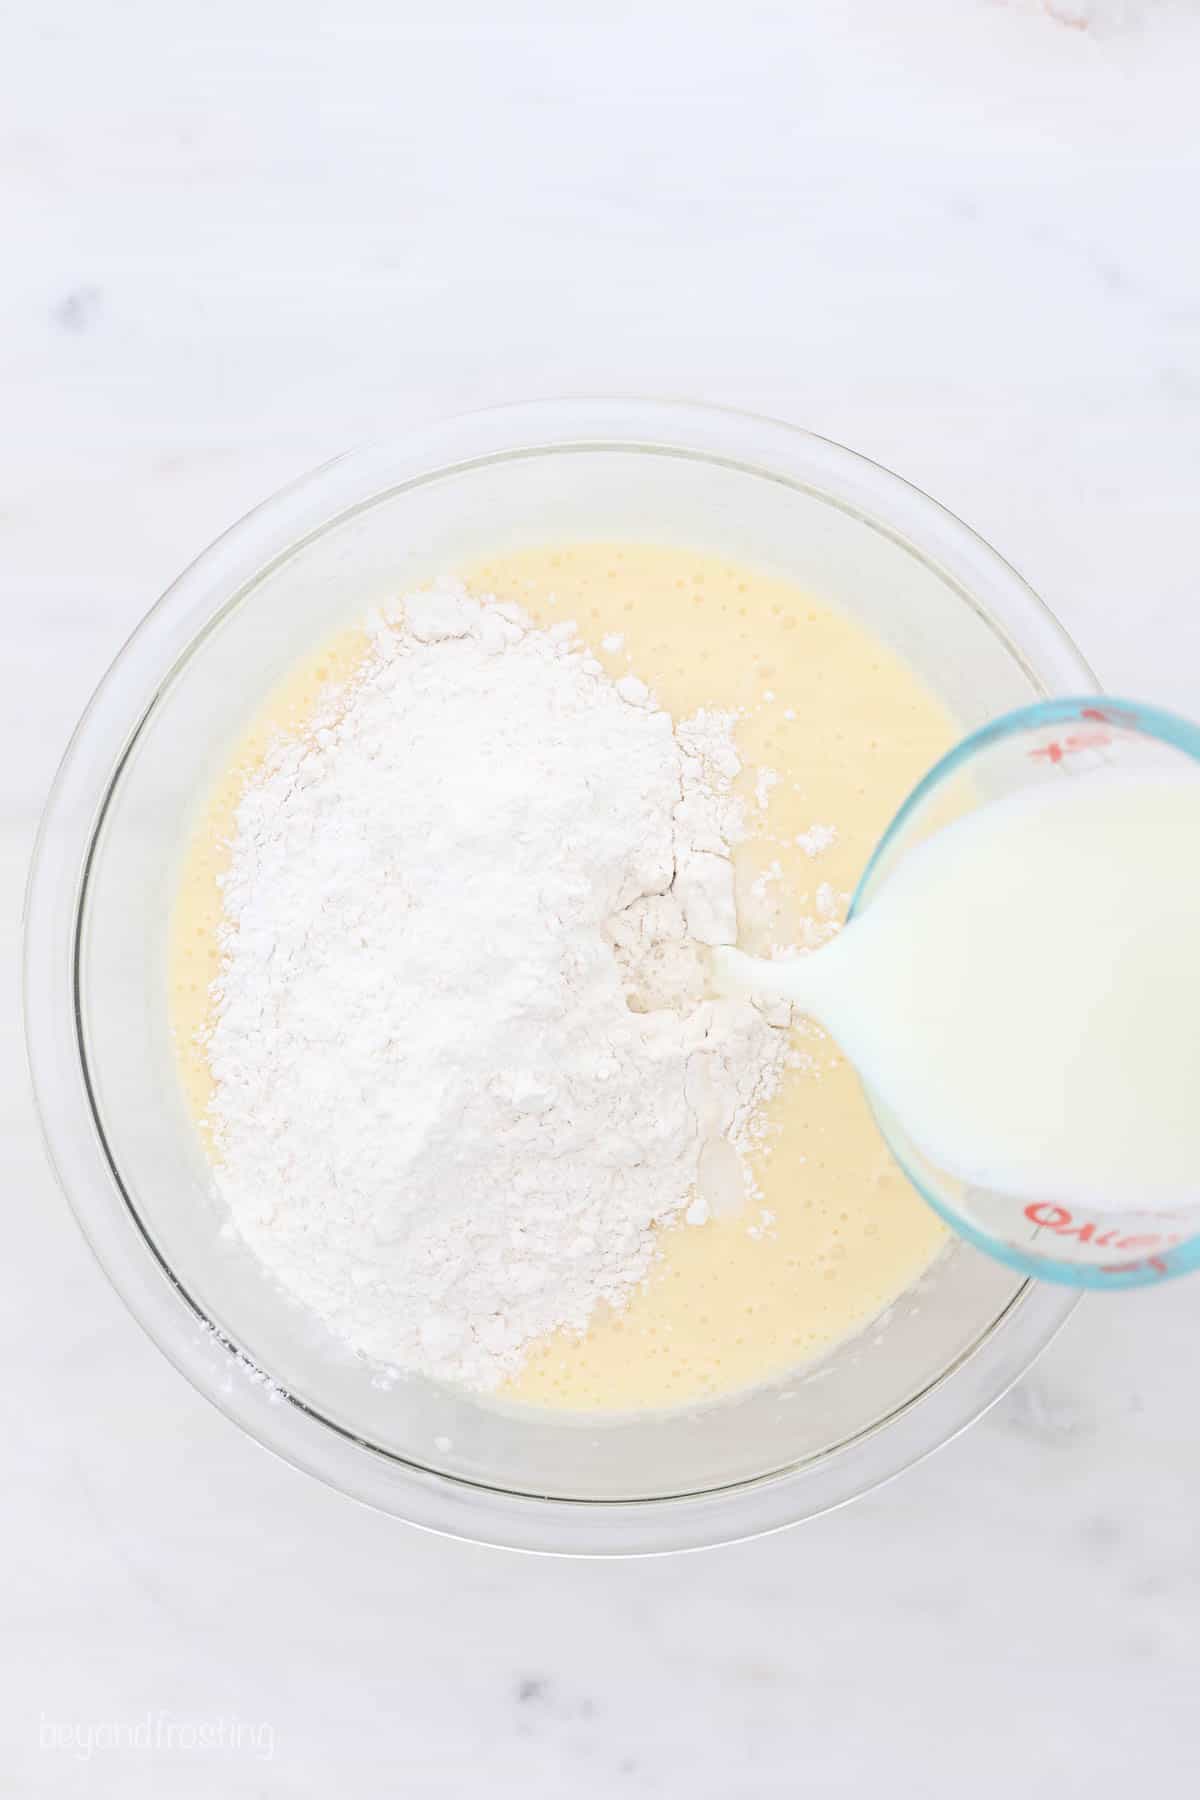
x=837 y=1233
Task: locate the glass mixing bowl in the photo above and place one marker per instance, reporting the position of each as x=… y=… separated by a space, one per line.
x=158 y=731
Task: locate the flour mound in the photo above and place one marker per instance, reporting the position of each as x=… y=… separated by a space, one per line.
x=463 y=1063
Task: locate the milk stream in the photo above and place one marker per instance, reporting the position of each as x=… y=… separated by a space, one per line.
x=1023 y=993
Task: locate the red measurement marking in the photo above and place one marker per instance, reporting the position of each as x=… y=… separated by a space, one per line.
x=1061 y=1221
x=1110 y=715
x=1077 y=740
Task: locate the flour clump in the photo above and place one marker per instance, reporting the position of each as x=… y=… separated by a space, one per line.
x=463 y=1060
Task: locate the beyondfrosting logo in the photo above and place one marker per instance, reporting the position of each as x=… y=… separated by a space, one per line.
x=160 y=1732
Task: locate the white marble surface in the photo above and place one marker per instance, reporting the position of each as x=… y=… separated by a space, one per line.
x=956 y=235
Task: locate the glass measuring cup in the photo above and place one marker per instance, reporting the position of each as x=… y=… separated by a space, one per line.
x=1055 y=740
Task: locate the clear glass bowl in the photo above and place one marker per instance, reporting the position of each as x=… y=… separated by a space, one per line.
x=1053 y=741
x=159 y=730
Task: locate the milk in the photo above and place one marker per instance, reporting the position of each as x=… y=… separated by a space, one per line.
x=1023 y=992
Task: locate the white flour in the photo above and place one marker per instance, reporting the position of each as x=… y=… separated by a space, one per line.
x=463 y=1063
x=817 y=839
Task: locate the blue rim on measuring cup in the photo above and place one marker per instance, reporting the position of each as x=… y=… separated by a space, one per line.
x=1126 y=715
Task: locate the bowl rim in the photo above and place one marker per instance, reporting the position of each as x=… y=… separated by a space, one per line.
x=276 y=528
